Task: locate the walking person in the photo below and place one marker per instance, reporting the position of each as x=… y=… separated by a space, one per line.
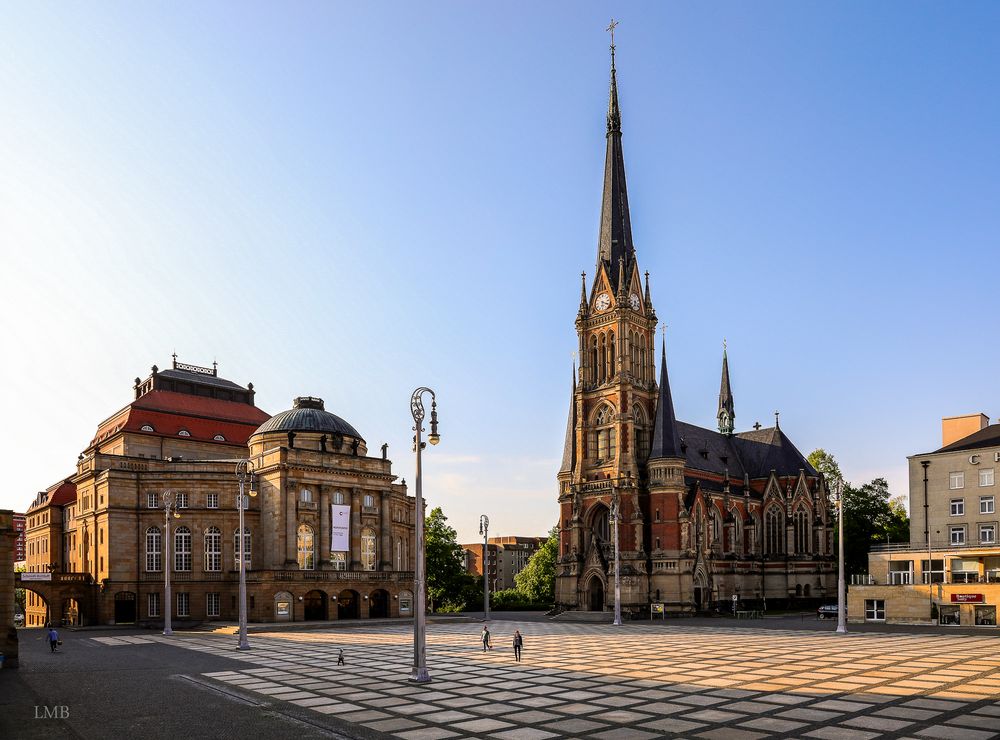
x=340 y=658
x=486 y=639
x=518 y=644
x=53 y=639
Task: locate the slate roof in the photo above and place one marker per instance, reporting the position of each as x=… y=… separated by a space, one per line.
x=988 y=436
x=308 y=415
x=755 y=453
x=200 y=379
x=666 y=441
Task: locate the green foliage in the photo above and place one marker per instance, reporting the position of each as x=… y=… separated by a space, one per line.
x=445 y=561
x=19 y=598
x=826 y=464
x=537 y=581
x=514 y=600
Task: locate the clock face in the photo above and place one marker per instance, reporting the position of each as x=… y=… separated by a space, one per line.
x=633 y=301
x=603 y=301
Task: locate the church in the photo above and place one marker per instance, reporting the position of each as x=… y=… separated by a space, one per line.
x=706 y=517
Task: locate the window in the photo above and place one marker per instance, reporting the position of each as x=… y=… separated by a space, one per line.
x=306 y=548
x=875 y=610
x=151 y=500
x=986 y=477
x=369 y=500
x=213 y=549
x=934 y=573
x=154 y=540
x=305 y=496
x=246 y=547
x=182 y=549
x=957 y=506
x=802 y=531
x=219 y=438
x=774 y=531
x=986 y=616
x=183 y=605
x=182 y=500
x=153 y=605
x=986 y=505
x=949 y=615
x=958 y=535
x=212 y=604
x=338 y=560
x=368 y=550
x=183 y=433
x=956 y=480
x=601 y=525
x=338 y=498
x=987 y=534
x=147 y=428
x=212 y=501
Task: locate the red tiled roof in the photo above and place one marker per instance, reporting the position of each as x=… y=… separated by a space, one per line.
x=58 y=494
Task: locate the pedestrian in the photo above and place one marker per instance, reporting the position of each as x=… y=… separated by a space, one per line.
x=518 y=644
x=340 y=658
x=53 y=638
x=486 y=639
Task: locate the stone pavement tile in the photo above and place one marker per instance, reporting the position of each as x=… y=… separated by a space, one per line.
x=979 y=721
x=388 y=701
x=368 y=716
x=732 y=693
x=941 y=704
x=772 y=724
x=537 y=690
x=654 y=694
x=289 y=696
x=427 y=733
x=313 y=702
x=451 y=715
x=877 y=723
x=336 y=708
x=617 y=701
x=524 y=733
x=807 y=714
x=871 y=698
x=713 y=715
x=393 y=725
x=731 y=733
x=993 y=711
x=751 y=707
x=535 y=701
x=951 y=732
x=417 y=708
x=621 y=716
x=481 y=726
x=672 y=724
x=783 y=698
x=624 y=733
x=841 y=733
x=533 y=716
x=699 y=700
x=575 y=708
x=360 y=695
x=647 y=683
x=838 y=705
x=574 y=726
x=576 y=695
x=906 y=713
x=664 y=707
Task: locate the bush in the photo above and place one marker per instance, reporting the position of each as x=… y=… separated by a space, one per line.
x=510 y=599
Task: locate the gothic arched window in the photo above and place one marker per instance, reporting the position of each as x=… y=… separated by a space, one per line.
x=604 y=358
x=213 y=549
x=644 y=370
x=643 y=435
x=594 y=375
x=611 y=355
x=601 y=524
x=774 y=531
x=306 y=548
x=801 y=520
x=603 y=438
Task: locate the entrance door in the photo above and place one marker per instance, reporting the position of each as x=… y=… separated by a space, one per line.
x=347 y=605
x=596 y=595
x=698 y=596
x=125 y=607
x=378 y=604
x=314 y=604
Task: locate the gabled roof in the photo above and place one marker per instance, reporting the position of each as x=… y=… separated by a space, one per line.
x=764 y=450
x=988 y=436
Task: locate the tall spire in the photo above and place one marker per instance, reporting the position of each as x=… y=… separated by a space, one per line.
x=569 y=445
x=727 y=412
x=615 y=241
x=666 y=440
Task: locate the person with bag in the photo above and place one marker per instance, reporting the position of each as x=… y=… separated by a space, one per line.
x=518 y=644
x=53 y=638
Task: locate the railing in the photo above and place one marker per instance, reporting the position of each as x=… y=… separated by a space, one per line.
x=900 y=577
x=862 y=579
x=942 y=546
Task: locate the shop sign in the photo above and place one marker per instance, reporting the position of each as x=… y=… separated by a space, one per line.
x=967 y=598
x=26 y=576
x=656 y=608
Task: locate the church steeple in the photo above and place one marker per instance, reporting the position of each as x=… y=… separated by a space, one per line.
x=666 y=440
x=569 y=445
x=615 y=241
x=727 y=412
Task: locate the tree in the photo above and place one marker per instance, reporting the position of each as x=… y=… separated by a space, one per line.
x=445 y=562
x=537 y=581
x=826 y=464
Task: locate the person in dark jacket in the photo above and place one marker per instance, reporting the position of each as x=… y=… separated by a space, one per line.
x=486 y=639
x=518 y=644
x=53 y=639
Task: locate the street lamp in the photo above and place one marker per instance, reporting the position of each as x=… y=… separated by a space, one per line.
x=615 y=509
x=244 y=469
x=927 y=536
x=169 y=507
x=420 y=673
x=484 y=530
x=838 y=487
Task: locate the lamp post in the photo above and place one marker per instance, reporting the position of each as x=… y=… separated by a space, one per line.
x=420 y=673
x=615 y=509
x=841 y=585
x=244 y=469
x=927 y=536
x=484 y=530
x=169 y=507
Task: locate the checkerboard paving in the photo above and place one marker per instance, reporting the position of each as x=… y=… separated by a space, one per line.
x=634 y=681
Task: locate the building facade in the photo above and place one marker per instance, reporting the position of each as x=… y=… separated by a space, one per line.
x=20 y=524
x=507 y=557
x=703 y=515
x=949 y=572
x=329 y=536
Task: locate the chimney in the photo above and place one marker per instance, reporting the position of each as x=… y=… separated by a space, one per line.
x=954 y=428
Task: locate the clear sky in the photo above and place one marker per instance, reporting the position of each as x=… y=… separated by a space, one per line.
x=349 y=200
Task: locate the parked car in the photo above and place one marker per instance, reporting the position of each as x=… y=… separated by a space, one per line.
x=827 y=611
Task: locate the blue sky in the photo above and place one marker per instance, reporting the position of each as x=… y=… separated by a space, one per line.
x=350 y=200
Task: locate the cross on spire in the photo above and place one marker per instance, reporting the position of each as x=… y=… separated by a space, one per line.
x=611 y=29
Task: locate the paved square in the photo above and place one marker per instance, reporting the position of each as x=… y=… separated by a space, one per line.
x=635 y=681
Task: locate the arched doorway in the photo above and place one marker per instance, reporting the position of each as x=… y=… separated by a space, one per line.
x=700 y=589
x=125 y=607
x=347 y=604
x=71 y=613
x=314 y=605
x=36 y=609
x=378 y=604
x=596 y=591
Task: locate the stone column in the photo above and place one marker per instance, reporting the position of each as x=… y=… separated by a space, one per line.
x=8 y=635
x=355 y=529
x=323 y=546
x=385 y=523
x=291 y=523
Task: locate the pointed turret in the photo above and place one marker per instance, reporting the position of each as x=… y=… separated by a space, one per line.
x=615 y=241
x=666 y=440
x=569 y=445
x=727 y=413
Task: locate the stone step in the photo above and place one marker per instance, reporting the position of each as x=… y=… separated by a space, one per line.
x=581 y=616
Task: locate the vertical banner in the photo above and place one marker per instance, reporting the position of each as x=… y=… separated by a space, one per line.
x=340 y=528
